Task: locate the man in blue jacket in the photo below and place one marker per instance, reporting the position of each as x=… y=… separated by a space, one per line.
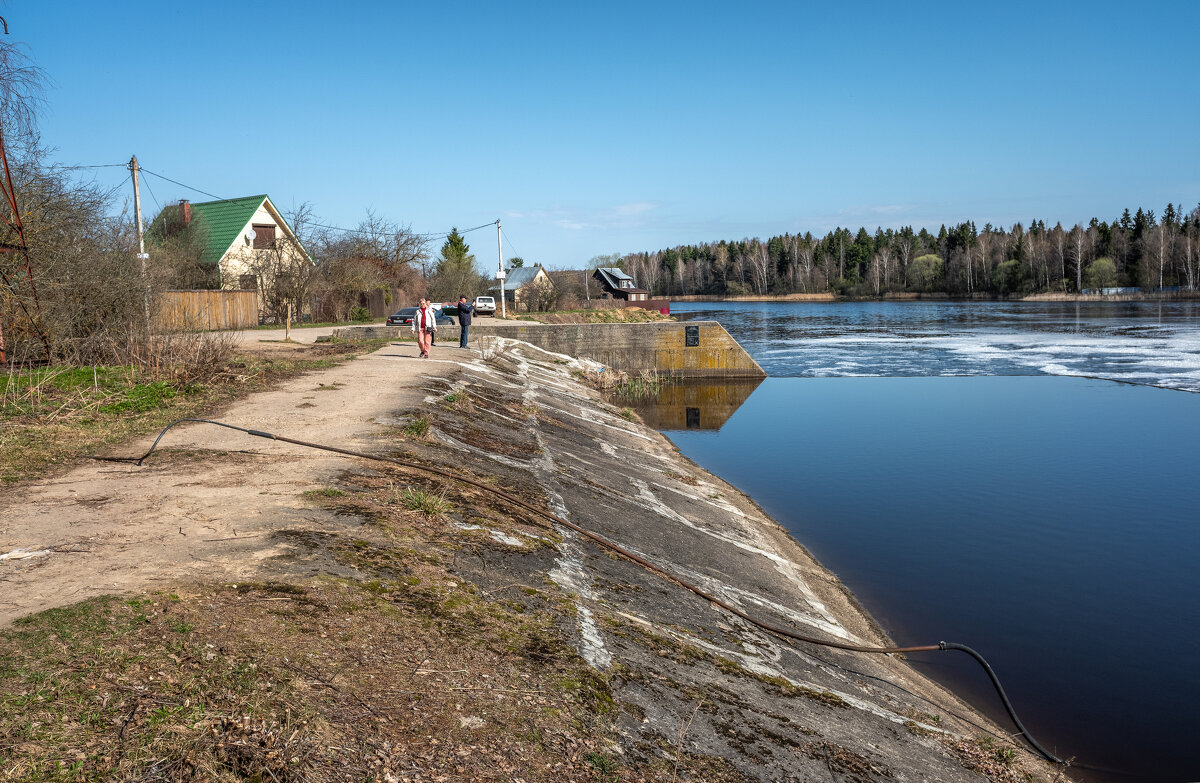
x=465 y=311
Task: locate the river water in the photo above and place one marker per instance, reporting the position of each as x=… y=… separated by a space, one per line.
x=974 y=474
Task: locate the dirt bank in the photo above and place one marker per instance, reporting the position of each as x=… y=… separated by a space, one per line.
x=303 y=616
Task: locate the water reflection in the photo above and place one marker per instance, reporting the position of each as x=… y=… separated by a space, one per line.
x=693 y=405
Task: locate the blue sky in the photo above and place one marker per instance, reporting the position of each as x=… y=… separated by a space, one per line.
x=590 y=129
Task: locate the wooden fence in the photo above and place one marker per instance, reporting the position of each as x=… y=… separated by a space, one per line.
x=188 y=310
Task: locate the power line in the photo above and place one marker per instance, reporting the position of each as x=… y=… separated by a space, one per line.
x=156 y=201
x=318 y=225
x=508 y=239
x=113 y=190
x=180 y=184
x=93 y=166
x=430 y=235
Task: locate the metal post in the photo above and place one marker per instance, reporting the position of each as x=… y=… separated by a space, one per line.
x=142 y=256
x=17 y=226
x=500 y=271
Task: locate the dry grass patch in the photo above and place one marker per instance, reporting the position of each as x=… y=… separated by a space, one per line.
x=52 y=417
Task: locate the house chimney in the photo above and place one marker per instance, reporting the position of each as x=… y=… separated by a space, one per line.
x=185 y=211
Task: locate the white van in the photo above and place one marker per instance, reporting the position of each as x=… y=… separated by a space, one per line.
x=485 y=305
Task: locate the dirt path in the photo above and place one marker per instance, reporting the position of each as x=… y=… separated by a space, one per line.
x=184 y=515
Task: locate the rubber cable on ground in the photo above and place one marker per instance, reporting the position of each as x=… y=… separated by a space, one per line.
x=613 y=546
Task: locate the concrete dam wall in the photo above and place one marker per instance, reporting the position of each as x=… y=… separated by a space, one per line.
x=696 y=349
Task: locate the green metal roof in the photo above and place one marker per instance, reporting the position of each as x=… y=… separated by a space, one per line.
x=224 y=221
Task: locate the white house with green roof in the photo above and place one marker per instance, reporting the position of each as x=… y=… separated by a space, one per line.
x=239 y=233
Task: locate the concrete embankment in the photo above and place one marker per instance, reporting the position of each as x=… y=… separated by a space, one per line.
x=697 y=349
x=772 y=709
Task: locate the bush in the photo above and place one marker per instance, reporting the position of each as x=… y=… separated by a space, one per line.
x=1009 y=276
x=360 y=314
x=926 y=272
x=1101 y=273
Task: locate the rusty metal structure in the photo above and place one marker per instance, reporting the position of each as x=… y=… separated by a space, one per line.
x=24 y=267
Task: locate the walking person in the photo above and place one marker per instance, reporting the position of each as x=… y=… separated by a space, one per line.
x=465 y=311
x=424 y=323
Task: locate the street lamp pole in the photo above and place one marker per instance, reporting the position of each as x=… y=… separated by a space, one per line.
x=500 y=270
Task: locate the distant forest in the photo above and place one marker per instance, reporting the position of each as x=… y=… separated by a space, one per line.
x=1138 y=249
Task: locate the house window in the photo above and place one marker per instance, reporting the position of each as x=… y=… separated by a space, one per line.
x=264 y=236
x=248 y=282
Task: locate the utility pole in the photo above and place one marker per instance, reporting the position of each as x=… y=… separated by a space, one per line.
x=142 y=255
x=500 y=270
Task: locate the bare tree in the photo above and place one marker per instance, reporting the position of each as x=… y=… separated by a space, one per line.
x=1191 y=249
x=1078 y=245
x=761 y=261
x=721 y=264
x=883 y=260
x=379 y=255
x=1060 y=245
x=805 y=256
x=22 y=90
x=1160 y=242
x=904 y=248
x=541 y=295
x=286 y=277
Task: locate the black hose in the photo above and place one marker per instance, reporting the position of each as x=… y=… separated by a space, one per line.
x=637 y=559
x=1004 y=699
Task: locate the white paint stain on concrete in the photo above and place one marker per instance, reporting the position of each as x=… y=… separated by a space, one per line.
x=498 y=536
x=24 y=554
x=785 y=567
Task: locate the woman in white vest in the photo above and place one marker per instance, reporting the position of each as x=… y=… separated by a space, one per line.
x=424 y=323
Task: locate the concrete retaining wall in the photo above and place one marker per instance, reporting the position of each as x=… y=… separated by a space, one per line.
x=694 y=349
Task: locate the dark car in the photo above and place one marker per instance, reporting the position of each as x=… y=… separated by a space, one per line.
x=404 y=316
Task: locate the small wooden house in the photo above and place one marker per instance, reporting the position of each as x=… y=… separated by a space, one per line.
x=526 y=287
x=239 y=235
x=615 y=284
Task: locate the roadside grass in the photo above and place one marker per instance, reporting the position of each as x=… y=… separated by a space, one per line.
x=418 y=428
x=429 y=504
x=51 y=417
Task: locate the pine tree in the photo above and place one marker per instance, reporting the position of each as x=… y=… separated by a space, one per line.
x=455 y=249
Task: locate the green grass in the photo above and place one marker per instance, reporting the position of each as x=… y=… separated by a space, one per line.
x=429 y=504
x=642 y=386
x=418 y=427
x=327 y=492
x=141 y=397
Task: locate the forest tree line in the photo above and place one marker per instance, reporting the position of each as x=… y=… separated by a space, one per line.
x=1139 y=249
